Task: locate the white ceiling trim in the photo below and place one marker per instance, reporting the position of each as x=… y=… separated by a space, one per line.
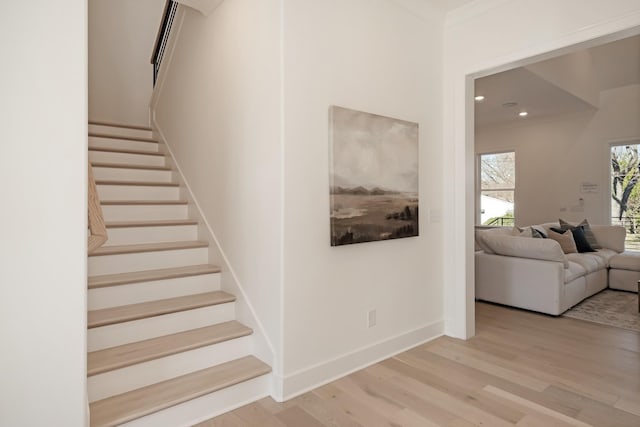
x=474 y=8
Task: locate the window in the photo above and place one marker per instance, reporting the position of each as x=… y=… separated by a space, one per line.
x=625 y=191
x=497 y=188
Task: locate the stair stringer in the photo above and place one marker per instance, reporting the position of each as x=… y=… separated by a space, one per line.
x=245 y=312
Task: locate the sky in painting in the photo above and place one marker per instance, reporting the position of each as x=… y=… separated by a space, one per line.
x=373 y=151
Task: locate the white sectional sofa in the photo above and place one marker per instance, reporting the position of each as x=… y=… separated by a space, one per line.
x=535 y=273
x=624 y=271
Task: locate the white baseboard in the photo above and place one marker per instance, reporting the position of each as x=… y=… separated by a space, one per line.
x=304 y=380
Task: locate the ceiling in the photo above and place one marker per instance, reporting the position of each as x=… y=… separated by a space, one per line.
x=450 y=4
x=548 y=88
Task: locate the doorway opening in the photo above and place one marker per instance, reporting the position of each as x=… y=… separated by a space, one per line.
x=485 y=131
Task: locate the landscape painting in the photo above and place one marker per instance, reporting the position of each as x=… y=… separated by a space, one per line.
x=373 y=177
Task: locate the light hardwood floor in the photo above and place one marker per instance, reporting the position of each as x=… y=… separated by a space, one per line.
x=521 y=369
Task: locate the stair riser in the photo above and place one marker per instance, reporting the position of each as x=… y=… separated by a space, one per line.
x=138 y=330
x=127 y=263
x=135 y=235
x=132 y=377
x=134 y=293
x=125 y=158
x=208 y=406
x=128 y=175
x=123 y=144
x=117 y=131
x=143 y=212
x=134 y=192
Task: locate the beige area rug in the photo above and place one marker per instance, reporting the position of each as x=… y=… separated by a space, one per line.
x=609 y=307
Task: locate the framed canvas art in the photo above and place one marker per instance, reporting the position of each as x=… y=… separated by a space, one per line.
x=373 y=177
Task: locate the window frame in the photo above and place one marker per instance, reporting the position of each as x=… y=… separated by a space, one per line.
x=478 y=186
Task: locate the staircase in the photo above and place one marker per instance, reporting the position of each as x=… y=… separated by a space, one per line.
x=164 y=348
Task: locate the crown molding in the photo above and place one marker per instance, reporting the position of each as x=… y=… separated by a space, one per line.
x=463 y=13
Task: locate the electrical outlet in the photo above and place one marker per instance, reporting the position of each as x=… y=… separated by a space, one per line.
x=371 y=318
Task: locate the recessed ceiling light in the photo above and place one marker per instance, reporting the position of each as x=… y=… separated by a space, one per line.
x=523 y=114
x=479 y=98
x=509 y=104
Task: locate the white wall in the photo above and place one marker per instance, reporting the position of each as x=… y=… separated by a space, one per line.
x=379 y=57
x=218 y=106
x=554 y=157
x=481 y=38
x=121 y=40
x=44 y=213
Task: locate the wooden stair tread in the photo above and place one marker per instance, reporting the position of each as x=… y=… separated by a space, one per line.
x=119 y=125
x=126 y=313
x=142 y=202
x=151 y=223
x=123 y=151
x=148 y=247
x=128 y=406
x=125 y=355
x=122 y=137
x=137 y=183
x=128 y=166
x=150 y=275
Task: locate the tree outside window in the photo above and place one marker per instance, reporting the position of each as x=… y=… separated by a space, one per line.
x=497 y=188
x=625 y=192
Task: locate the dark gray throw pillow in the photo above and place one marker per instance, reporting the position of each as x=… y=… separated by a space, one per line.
x=582 y=244
x=588 y=233
x=537 y=234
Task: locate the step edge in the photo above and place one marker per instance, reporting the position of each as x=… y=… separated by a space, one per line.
x=107 y=165
x=136 y=152
x=148 y=247
x=119 y=125
x=254 y=373
x=222 y=299
x=123 y=138
x=242 y=331
x=151 y=223
x=143 y=202
x=136 y=183
x=118 y=282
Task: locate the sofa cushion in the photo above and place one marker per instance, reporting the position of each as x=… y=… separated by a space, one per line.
x=610 y=236
x=626 y=261
x=589 y=261
x=586 y=227
x=574 y=271
x=605 y=254
x=480 y=235
x=567 y=244
x=524 y=247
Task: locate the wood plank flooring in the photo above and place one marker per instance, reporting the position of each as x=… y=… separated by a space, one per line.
x=521 y=369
